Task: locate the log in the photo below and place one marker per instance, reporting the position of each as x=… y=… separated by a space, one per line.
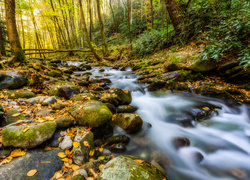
x=57 y=51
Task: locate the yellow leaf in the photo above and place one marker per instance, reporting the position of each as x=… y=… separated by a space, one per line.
x=100 y=167
x=16 y=115
x=1 y=96
x=138 y=161
x=92 y=152
x=48 y=148
x=26 y=129
x=6 y=160
x=61 y=155
x=101 y=157
x=17 y=153
x=74 y=167
x=76 y=144
x=12 y=95
x=32 y=172
x=91 y=159
x=86 y=143
x=89 y=178
x=100 y=149
x=68 y=152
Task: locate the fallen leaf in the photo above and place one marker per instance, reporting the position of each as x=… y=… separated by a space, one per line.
x=92 y=152
x=86 y=143
x=17 y=153
x=61 y=155
x=100 y=167
x=74 y=167
x=48 y=148
x=16 y=115
x=76 y=144
x=100 y=149
x=32 y=172
x=101 y=157
x=26 y=129
x=138 y=161
x=6 y=160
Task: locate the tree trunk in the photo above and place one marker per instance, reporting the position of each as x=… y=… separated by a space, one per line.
x=105 y=46
x=15 y=45
x=2 y=47
x=129 y=26
x=91 y=26
x=152 y=13
x=174 y=15
x=86 y=33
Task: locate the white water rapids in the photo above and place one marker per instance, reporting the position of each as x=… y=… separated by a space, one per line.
x=223 y=139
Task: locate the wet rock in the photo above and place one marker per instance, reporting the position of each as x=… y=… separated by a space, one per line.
x=54 y=73
x=129 y=167
x=84 y=96
x=43 y=112
x=66 y=91
x=46 y=163
x=131 y=123
x=1 y=112
x=180 y=142
x=119 y=147
x=53 y=142
x=56 y=61
x=4 y=153
x=49 y=101
x=183 y=119
x=58 y=106
x=63 y=122
x=117 y=139
x=103 y=80
x=81 y=153
x=92 y=165
x=111 y=107
x=156 y=85
x=117 y=94
x=66 y=143
x=126 y=109
x=85 y=66
x=28 y=136
x=90 y=113
x=54 y=90
x=77 y=177
x=36 y=100
x=162 y=159
x=142 y=141
x=20 y=94
x=68 y=71
x=83 y=83
x=228 y=66
x=11 y=80
x=12 y=116
x=240 y=77
x=201 y=66
x=103 y=132
x=101 y=70
x=175 y=67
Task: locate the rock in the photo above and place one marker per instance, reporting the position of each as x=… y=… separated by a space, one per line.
x=66 y=91
x=68 y=71
x=81 y=153
x=82 y=172
x=54 y=90
x=117 y=139
x=85 y=66
x=58 y=106
x=92 y=165
x=131 y=123
x=63 y=122
x=175 y=67
x=36 y=100
x=101 y=70
x=117 y=94
x=119 y=147
x=4 y=153
x=103 y=80
x=43 y=112
x=241 y=77
x=1 y=112
x=128 y=168
x=67 y=143
x=103 y=132
x=202 y=66
x=77 y=177
x=228 y=66
x=183 y=119
x=111 y=107
x=90 y=113
x=10 y=118
x=162 y=159
x=49 y=101
x=53 y=142
x=84 y=96
x=20 y=94
x=179 y=142
x=28 y=136
x=156 y=85
x=175 y=75
x=54 y=73
x=11 y=80
x=83 y=83
x=126 y=109
x=45 y=162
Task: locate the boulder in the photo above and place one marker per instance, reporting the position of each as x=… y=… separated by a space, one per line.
x=85 y=140
x=131 y=123
x=175 y=67
x=12 y=116
x=161 y=158
x=103 y=132
x=128 y=168
x=84 y=96
x=11 y=80
x=49 y=101
x=1 y=112
x=77 y=177
x=45 y=162
x=117 y=94
x=119 y=147
x=58 y=106
x=126 y=109
x=90 y=113
x=66 y=91
x=54 y=90
x=66 y=143
x=202 y=66
x=117 y=139
x=28 y=136
x=20 y=94
x=36 y=100
x=54 y=73
x=63 y=122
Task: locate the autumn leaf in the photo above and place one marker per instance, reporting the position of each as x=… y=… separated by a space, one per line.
x=32 y=172
x=76 y=144
x=86 y=143
x=26 y=129
x=74 y=167
x=6 y=160
x=17 y=153
x=68 y=152
x=48 y=148
x=92 y=152
x=101 y=157
x=138 y=161
x=61 y=155
x=100 y=149
x=16 y=115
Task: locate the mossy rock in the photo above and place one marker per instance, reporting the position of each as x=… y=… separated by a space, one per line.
x=117 y=94
x=81 y=97
x=63 y=122
x=36 y=134
x=77 y=177
x=20 y=94
x=202 y=66
x=90 y=113
x=60 y=83
x=1 y=112
x=10 y=119
x=54 y=90
x=11 y=80
x=54 y=73
x=129 y=122
x=130 y=168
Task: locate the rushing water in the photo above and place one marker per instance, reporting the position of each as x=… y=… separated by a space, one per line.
x=219 y=146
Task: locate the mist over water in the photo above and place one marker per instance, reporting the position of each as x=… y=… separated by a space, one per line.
x=219 y=145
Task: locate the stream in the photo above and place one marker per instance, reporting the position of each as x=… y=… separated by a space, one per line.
x=219 y=145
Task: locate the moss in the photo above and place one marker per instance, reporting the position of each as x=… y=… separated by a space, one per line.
x=10 y=119
x=54 y=73
x=60 y=83
x=20 y=94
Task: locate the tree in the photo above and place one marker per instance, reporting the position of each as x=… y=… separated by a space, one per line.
x=15 y=44
x=2 y=47
x=174 y=15
x=86 y=33
x=105 y=46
